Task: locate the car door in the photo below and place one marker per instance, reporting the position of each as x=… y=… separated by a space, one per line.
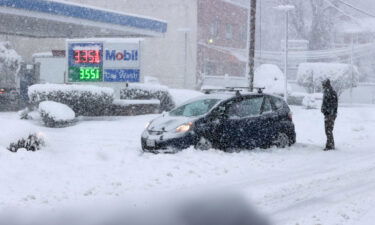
x=267 y=120
x=241 y=123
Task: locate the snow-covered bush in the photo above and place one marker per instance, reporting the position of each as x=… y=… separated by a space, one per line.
x=20 y=134
x=148 y=91
x=311 y=75
x=32 y=142
x=313 y=101
x=85 y=100
x=56 y=114
x=10 y=64
x=270 y=77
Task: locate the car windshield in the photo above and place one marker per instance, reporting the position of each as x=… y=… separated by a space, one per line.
x=196 y=108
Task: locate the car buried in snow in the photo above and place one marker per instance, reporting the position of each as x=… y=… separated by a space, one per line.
x=226 y=120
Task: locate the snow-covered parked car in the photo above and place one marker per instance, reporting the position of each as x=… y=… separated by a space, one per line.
x=313 y=101
x=55 y=114
x=224 y=121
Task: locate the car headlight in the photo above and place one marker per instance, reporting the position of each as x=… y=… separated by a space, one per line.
x=184 y=127
x=147 y=125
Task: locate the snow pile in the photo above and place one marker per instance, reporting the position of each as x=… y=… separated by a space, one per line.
x=83 y=99
x=56 y=111
x=312 y=101
x=270 y=77
x=149 y=91
x=342 y=76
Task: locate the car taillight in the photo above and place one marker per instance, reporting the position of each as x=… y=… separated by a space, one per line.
x=290 y=116
x=2 y=91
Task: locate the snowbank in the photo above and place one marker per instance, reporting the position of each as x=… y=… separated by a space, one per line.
x=57 y=111
x=270 y=77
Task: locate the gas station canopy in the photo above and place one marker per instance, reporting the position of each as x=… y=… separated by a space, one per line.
x=56 y=19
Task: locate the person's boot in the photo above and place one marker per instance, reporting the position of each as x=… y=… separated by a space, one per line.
x=328 y=147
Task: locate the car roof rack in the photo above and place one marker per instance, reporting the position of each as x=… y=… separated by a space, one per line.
x=260 y=89
x=233 y=89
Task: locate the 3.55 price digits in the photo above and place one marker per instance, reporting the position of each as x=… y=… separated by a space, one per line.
x=88 y=73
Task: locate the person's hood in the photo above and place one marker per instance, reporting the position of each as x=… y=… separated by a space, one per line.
x=168 y=123
x=326 y=83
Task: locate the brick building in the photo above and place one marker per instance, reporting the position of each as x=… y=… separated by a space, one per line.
x=222 y=31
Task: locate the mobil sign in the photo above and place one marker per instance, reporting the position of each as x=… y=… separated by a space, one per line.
x=121 y=62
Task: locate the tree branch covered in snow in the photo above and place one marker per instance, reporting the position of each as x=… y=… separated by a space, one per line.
x=342 y=76
x=10 y=64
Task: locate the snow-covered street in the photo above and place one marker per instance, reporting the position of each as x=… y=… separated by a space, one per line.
x=100 y=160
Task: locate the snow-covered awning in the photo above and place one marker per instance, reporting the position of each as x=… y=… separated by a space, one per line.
x=58 y=19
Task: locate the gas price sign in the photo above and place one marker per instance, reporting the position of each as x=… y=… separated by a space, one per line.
x=85 y=61
x=103 y=61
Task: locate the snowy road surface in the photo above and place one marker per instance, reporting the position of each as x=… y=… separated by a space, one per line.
x=100 y=160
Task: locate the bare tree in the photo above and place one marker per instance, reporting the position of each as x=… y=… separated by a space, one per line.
x=313 y=20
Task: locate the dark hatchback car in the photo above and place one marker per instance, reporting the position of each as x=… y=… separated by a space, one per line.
x=227 y=121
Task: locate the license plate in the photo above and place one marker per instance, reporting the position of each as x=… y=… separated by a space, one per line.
x=150 y=143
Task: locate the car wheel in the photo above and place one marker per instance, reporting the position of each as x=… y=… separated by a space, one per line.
x=282 y=140
x=203 y=144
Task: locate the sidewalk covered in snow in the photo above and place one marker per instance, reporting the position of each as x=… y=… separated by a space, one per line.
x=55 y=19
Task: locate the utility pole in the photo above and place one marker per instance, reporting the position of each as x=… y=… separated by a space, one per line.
x=253 y=8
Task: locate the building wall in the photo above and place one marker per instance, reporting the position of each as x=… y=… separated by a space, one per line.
x=222 y=27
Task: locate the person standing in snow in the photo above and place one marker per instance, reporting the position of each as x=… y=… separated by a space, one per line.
x=329 y=109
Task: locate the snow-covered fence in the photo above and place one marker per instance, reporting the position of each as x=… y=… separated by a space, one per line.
x=83 y=99
x=342 y=76
x=148 y=91
x=56 y=114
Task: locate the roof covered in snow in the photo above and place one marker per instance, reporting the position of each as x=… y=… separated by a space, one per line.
x=58 y=19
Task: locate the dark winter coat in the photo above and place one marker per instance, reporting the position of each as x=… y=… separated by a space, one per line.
x=330 y=100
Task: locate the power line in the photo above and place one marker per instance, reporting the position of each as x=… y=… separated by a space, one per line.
x=340 y=10
x=356 y=8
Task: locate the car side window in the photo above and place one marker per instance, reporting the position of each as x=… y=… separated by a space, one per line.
x=267 y=106
x=279 y=104
x=247 y=107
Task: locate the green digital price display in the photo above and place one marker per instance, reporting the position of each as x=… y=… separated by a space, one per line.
x=88 y=73
x=81 y=74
